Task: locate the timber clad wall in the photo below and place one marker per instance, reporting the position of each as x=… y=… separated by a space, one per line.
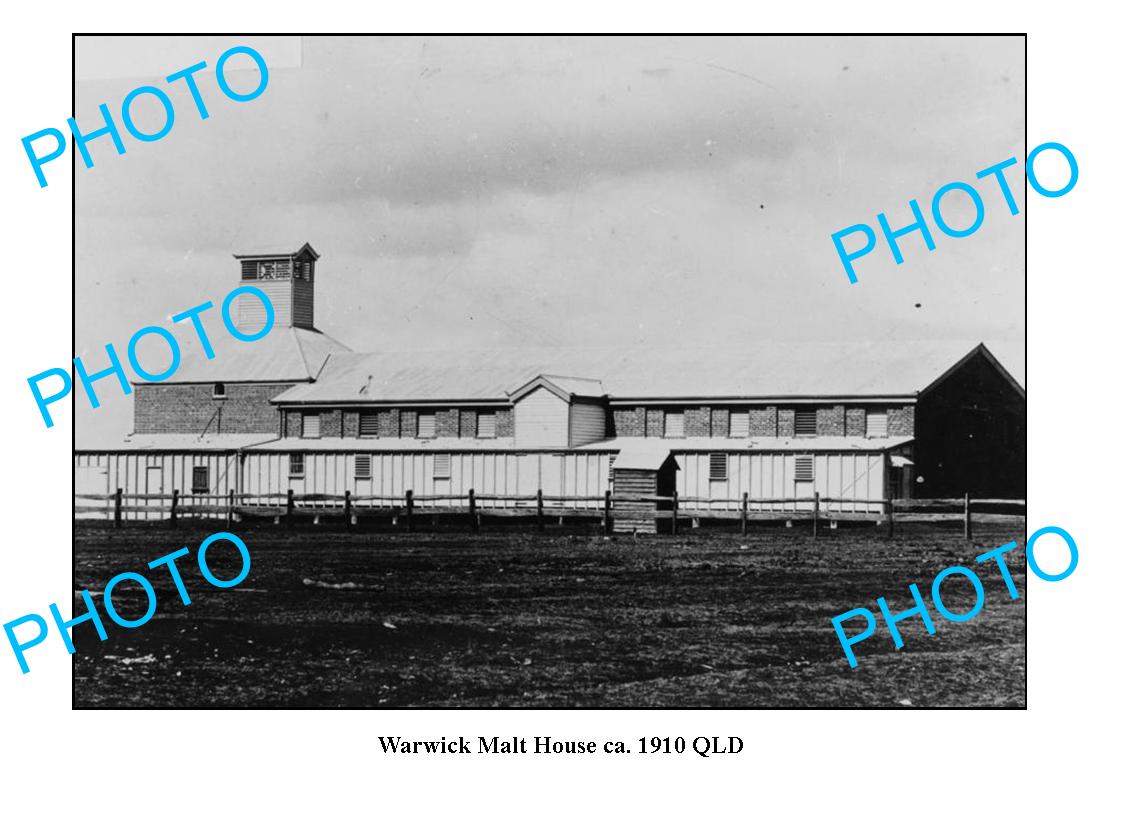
x=542 y=420
x=251 y=311
x=302 y=298
x=170 y=408
x=586 y=423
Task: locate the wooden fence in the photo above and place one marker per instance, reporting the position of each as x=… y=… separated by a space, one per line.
x=406 y=509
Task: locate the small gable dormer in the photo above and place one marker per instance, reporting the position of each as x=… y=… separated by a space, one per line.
x=288 y=277
x=558 y=412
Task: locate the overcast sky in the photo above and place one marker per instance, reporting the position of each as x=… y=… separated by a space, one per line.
x=561 y=191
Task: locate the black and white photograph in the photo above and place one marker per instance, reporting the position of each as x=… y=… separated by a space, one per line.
x=551 y=372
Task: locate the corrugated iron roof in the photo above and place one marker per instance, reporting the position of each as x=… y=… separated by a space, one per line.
x=284 y=355
x=760 y=370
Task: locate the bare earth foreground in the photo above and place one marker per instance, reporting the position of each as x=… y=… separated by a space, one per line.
x=331 y=618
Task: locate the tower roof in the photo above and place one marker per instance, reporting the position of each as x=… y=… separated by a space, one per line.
x=277 y=251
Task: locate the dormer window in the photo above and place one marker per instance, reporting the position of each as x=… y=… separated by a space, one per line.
x=219 y=391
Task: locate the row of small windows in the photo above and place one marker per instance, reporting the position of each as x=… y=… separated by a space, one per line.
x=426 y=426
x=442 y=466
x=806 y=424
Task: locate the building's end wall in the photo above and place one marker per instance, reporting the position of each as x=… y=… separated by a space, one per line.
x=172 y=408
x=541 y=420
x=971 y=436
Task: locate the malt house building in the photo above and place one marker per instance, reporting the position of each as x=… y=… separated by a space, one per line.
x=298 y=410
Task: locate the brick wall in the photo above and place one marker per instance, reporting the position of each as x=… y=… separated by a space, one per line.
x=448 y=423
x=719 y=422
x=167 y=408
x=831 y=421
x=696 y=421
x=350 y=424
x=902 y=421
x=763 y=421
x=389 y=422
x=855 y=421
x=468 y=423
x=655 y=422
x=629 y=421
x=505 y=422
x=785 y=422
x=408 y=424
x=294 y=423
x=331 y=423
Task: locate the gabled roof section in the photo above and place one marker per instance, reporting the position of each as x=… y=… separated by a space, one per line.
x=652 y=458
x=286 y=354
x=277 y=251
x=564 y=387
x=978 y=351
x=772 y=370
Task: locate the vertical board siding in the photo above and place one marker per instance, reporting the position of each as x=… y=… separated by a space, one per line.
x=838 y=476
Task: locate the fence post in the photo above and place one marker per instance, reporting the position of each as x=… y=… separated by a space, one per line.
x=175 y=506
x=117 y=508
x=815 y=517
x=290 y=506
x=409 y=511
x=541 y=517
x=967 y=516
x=744 y=513
x=473 y=518
x=674 y=513
x=230 y=509
x=889 y=513
x=607 y=512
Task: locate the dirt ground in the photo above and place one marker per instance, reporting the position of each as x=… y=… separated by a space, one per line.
x=335 y=618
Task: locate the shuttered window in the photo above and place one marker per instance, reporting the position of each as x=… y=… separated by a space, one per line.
x=877 y=423
x=442 y=466
x=485 y=426
x=200 y=480
x=739 y=423
x=673 y=425
x=296 y=465
x=368 y=424
x=311 y=426
x=362 y=466
x=611 y=466
x=719 y=467
x=805 y=468
x=805 y=424
x=426 y=426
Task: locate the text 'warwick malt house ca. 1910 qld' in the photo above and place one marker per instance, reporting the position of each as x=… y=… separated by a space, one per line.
x=298 y=410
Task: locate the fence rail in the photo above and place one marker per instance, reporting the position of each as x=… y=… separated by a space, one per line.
x=406 y=508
